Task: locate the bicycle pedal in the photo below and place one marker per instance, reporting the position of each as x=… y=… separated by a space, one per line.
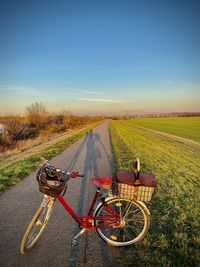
x=74 y=243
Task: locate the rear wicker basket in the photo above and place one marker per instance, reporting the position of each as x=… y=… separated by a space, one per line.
x=142 y=193
x=124 y=186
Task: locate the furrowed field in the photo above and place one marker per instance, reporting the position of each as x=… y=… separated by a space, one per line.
x=183 y=127
x=173 y=238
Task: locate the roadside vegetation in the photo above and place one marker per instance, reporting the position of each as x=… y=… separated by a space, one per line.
x=19 y=133
x=15 y=172
x=173 y=238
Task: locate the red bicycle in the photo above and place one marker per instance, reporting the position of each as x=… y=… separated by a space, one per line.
x=118 y=221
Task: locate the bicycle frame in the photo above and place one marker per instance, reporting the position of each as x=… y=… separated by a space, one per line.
x=87 y=222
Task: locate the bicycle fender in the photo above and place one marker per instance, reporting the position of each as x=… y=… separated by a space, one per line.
x=142 y=204
x=44 y=201
x=100 y=203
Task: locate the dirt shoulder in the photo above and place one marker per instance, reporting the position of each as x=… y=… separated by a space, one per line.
x=24 y=154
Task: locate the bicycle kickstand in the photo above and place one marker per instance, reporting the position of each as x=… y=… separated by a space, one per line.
x=74 y=240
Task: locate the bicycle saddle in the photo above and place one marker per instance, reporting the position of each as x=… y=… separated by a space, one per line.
x=103 y=182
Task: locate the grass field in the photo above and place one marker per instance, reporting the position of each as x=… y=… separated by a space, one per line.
x=183 y=127
x=173 y=239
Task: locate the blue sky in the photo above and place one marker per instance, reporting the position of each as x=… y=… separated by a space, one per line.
x=100 y=56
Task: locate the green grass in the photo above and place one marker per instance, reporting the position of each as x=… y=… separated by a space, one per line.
x=173 y=238
x=183 y=127
x=14 y=173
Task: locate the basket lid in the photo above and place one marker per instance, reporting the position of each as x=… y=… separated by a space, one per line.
x=125 y=177
x=148 y=179
x=145 y=179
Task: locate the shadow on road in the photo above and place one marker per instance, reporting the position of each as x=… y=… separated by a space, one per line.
x=93 y=155
x=76 y=156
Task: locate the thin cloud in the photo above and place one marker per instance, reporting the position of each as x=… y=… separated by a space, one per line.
x=188 y=84
x=102 y=100
x=193 y=85
x=18 y=90
x=92 y=92
x=169 y=82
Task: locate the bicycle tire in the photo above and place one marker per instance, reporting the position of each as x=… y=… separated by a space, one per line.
x=44 y=212
x=134 y=226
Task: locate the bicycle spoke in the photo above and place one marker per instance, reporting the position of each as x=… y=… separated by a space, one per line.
x=117 y=231
x=127 y=209
x=134 y=229
x=33 y=234
x=127 y=233
x=136 y=218
x=120 y=210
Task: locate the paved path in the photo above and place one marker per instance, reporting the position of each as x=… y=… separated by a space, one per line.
x=90 y=155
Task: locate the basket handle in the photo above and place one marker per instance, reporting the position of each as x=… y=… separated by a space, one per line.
x=136 y=170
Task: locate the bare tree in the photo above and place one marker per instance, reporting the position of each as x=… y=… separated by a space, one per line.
x=16 y=129
x=37 y=115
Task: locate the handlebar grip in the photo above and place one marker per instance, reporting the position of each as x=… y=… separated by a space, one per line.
x=80 y=175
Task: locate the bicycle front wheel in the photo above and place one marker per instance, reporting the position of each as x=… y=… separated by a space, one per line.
x=37 y=225
x=134 y=222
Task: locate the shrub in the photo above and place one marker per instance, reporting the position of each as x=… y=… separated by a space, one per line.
x=5 y=142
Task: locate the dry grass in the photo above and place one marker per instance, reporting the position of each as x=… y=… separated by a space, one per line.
x=24 y=145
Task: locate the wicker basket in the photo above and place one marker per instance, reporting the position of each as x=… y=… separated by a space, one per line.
x=51 y=188
x=124 y=186
x=53 y=191
x=142 y=193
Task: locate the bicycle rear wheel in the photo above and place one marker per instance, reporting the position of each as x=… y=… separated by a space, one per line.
x=37 y=225
x=134 y=224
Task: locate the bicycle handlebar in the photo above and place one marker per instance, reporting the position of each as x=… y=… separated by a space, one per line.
x=67 y=175
x=74 y=174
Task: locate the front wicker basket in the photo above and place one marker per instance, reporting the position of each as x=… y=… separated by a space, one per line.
x=53 y=191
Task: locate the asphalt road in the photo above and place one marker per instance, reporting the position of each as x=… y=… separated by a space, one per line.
x=90 y=155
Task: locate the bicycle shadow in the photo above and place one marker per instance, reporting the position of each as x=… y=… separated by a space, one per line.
x=93 y=154
x=109 y=158
x=73 y=162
